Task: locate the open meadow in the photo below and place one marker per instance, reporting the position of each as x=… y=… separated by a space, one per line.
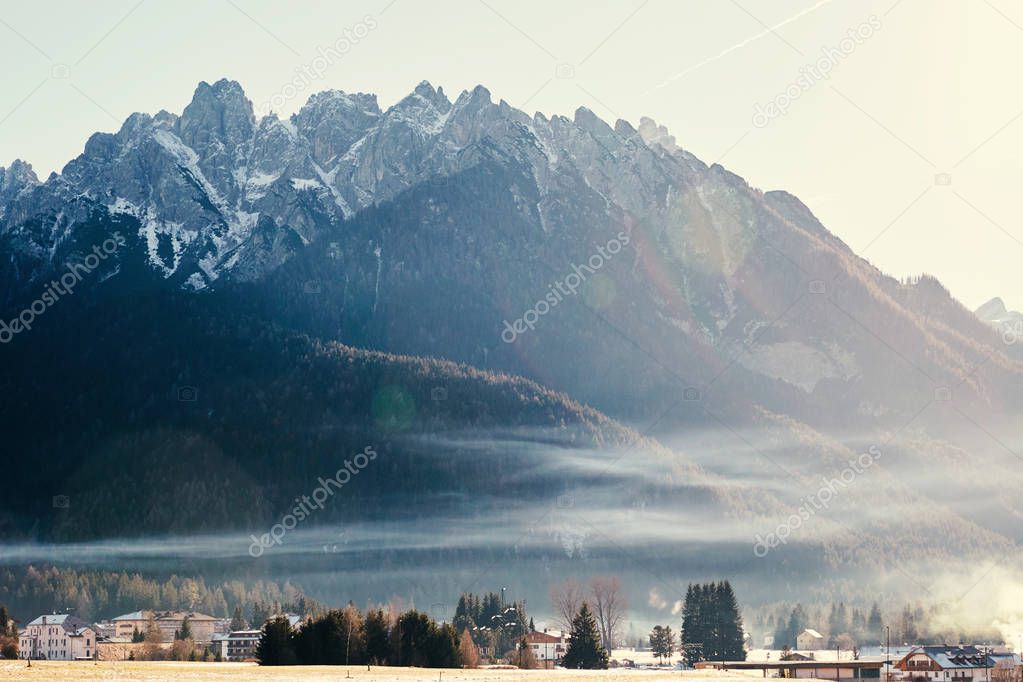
x=139 y=671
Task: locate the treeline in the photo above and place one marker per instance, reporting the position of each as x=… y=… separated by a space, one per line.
x=411 y=638
x=347 y=637
x=95 y=595
x=851 y=627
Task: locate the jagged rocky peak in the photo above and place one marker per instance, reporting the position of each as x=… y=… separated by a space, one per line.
x=478 y=96
x=16 y=177
x=333 y=121
x=654 y=134
x=591 y=123
x=218 y=113
x=624 y=128
x=13 y=181
x=432 y=96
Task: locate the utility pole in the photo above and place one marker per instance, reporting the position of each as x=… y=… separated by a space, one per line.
x=888 y=654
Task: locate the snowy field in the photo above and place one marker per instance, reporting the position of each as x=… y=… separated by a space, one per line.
x=82 y=671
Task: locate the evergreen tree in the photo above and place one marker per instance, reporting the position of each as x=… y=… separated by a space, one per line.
x=237 y=622
x=797 y=622
x=729 y=624
x=260 y=614
x=711 y=624
x=442 y=647
x=378 y=648
x=662 y=642
x=491 y=609
x=275 y=645
x=838 y=622
x=874 y=624
x=136 y=636
x=584 y=645
x=185 y=632
x=413 y=636
x=692 y=625
x=858 y=625
x=907 y=625
x=463 y=619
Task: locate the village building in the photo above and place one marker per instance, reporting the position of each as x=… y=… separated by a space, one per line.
x=952 y=663
x=547 y=646
x=239 y=645
x=57 y=637
x=202 y=626
x=809 y=640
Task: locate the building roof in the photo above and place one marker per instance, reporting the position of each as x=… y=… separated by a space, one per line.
x=164 y=615
x=955 y=657
x=134 y=615
x=812 y=633
x=543 y=638
x=69 y=622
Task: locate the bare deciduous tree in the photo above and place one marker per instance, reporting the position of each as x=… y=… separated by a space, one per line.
x=566 y=598
x=609 y=606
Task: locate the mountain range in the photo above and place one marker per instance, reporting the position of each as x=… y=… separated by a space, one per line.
x=519 y=309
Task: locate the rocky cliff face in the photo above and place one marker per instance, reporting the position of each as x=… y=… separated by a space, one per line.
x=726 y=285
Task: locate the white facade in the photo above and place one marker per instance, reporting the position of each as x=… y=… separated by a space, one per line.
x=547 y=647
x=57 y=637
x=809 y=640
x=239 y=645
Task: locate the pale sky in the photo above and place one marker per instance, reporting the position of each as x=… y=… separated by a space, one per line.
x=933 y=89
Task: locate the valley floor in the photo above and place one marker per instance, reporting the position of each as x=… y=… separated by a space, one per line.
x=82 y=671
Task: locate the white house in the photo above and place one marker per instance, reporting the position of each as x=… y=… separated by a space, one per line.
x=547 y=646
x=57 y=637
x=809 y=640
